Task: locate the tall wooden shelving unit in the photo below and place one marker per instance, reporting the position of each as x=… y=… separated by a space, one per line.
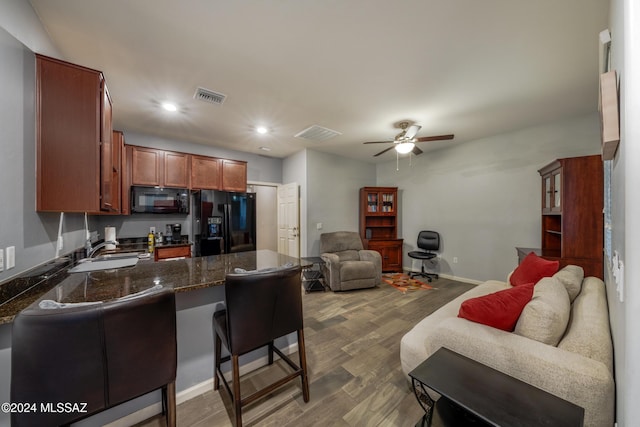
x=379 y=225
x=572 y=219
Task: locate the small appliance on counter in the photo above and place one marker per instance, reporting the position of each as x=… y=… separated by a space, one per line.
x=176 y=233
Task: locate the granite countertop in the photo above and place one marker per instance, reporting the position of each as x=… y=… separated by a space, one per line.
x=52 y=281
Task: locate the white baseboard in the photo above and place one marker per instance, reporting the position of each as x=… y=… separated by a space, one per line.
x=193 y=391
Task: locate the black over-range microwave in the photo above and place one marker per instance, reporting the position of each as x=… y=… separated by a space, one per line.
x=159 y=200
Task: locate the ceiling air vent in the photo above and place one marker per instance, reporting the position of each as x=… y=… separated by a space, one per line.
x=317 y=133
x=209 y=96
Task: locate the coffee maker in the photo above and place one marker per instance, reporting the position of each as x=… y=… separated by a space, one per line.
x=173 y=233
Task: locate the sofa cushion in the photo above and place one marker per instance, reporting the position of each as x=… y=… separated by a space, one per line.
x=348 y=255
x=500 y=309
x=532 y=269
x=545 y=317
x=353 y=270
x=588 y=332
x=571 y=277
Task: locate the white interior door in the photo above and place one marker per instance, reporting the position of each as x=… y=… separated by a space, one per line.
x=266 y=216
x=289 y=220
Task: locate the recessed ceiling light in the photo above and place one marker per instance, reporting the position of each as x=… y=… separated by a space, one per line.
x=169 y=106
x=262 y=129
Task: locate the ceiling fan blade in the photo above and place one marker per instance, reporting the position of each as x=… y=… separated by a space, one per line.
x=383 y=151
x=416 y=151
x=411 y=131
x=434 y=138
x=378 y=142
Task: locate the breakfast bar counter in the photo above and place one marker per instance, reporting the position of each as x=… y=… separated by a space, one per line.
x=53 y=282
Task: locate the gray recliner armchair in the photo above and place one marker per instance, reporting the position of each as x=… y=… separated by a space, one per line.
x=347 y=264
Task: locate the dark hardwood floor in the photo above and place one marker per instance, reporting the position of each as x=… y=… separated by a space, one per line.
x=353 y=356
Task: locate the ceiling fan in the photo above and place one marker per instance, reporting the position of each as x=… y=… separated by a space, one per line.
x=404 y=142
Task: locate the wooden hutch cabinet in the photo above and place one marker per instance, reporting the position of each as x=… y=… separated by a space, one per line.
x=572 y=219
x=379 y=225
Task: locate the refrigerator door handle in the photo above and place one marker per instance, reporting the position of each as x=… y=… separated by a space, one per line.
x=227 y=228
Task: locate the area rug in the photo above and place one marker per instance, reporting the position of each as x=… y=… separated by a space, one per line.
x=403 y=282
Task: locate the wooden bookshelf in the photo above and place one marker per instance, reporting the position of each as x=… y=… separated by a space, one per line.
x=379 y=224
x=572 y=220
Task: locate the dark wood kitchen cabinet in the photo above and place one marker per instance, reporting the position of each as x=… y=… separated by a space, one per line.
x=153 y=167
x=205 y=173
x=117 y=148
x=234 y=175
x=74 y=163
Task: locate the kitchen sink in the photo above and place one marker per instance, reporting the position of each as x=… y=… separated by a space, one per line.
x=106 y=262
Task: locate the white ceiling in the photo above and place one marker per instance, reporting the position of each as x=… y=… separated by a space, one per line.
x=474 y=68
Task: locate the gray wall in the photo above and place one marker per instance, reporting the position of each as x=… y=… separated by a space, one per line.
x=624 y=307
x=32 y=234
x=483 y=197
x=333 y=183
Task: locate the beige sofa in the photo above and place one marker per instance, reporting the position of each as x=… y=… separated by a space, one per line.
x=561 y=343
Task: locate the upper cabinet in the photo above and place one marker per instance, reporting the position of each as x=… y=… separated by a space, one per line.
x=74 y=166
x=153 y=167
x=234 y=175
x=177 y=169
x=117 y=148
x=205 y=173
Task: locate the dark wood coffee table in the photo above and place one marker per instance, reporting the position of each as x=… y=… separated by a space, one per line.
x=475 y=394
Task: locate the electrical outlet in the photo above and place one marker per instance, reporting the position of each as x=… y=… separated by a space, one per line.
x=152 y=230
x=455 y=259
x=319 y=226
x=1 y=260
x=11 y=257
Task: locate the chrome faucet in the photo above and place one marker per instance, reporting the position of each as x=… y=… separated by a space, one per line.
x=92 y=251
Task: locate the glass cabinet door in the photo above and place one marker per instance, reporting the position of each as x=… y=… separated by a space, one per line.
x=557 y=183
x=547 y=193
x=388 y=203
x=372 y=202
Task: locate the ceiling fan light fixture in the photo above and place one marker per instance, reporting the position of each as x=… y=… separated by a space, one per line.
x=405 y=147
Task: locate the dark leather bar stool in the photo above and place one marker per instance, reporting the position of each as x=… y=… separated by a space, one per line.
x=260 y=307
x=100 y=354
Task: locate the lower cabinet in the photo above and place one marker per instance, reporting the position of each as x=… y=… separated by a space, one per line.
x=172 y=251
x=391 y=252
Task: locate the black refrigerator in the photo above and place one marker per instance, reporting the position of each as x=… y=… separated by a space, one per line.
x=223 y=222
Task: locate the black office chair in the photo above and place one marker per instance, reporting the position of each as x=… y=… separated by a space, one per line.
x=260 y=307
x=100 y=355
x=429 y=241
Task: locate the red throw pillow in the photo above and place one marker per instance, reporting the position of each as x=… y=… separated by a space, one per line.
x=500 y=309
x=532 y=269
